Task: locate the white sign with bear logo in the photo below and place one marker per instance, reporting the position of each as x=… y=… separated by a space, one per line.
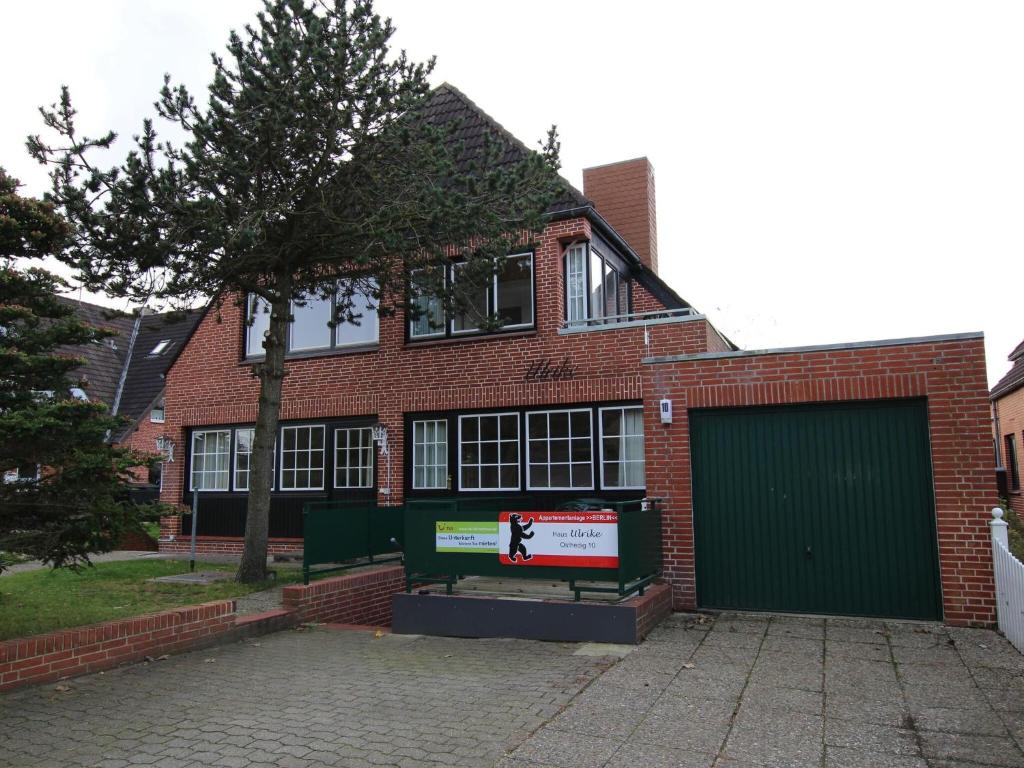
x=573 y=539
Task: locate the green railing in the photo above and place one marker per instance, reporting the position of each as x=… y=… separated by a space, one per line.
x=349 y=534
x=638 y=527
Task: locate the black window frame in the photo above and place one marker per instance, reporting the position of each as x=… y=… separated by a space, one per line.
x=546 y=495
x=449 y=333
x=333 y=349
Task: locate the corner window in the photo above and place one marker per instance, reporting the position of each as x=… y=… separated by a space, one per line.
x=595 y=287
x=353 y=458
x=302 y=458
x=622 y=447
x=559 y=450
x=156 y=414
x=489 y=452
x=1012 y=468
x=430 y=454
x=211 y=450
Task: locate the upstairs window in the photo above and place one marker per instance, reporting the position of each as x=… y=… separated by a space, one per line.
x=508 y=296
x=156 y=414
x=311 y=327
x=595 y=286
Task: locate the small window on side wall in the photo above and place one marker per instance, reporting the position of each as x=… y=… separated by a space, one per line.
x=1012 y=467
x=156 y=414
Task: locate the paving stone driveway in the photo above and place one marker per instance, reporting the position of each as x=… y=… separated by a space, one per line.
x=735 y=692
x=778 y=691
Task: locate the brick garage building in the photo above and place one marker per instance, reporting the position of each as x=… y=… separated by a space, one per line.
x=564 y=401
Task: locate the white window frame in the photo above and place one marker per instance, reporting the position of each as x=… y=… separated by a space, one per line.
x=348 y=448
x=529 y=441
x=323 y=458
x=519 y=451
x=573 y=299
x=192 y=460
x=600 y=439
x=161 y=407
x=436 y=445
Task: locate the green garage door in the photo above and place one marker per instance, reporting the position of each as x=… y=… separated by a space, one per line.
x=816 y=509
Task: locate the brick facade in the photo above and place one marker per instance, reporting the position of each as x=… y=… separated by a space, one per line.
x=362 y=598
x=950 y=374
x=142 y=438
x=623 y=194
x=209 y=383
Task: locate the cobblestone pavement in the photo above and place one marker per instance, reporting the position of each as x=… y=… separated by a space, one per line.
x=746 y=691
x=737 y=692
x=302 y=699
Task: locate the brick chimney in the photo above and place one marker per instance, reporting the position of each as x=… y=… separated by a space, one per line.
x=623 y=194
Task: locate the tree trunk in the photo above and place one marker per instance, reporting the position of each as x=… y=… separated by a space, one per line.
x=271 y=373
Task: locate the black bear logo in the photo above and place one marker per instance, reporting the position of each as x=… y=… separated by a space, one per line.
x=519 y=532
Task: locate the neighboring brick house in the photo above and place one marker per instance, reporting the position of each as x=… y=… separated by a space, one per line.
x=574 y=397
x=126 y=371
x=1008 y=426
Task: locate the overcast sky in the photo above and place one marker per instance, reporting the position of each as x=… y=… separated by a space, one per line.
x=826 y=172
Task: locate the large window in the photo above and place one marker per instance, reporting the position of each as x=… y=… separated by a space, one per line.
x=211 y=452
x=1012 y=468
x=489 y=452
x=353 y=458
x=429 y=321
x=508 y=296
x=595 y=287
x=302 y=458
x=311 y=327
x=622 y=447
x=243 y=457
x=430 y=454
x=559 y=451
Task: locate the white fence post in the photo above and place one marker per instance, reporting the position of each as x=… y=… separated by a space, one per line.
x=1009 y=577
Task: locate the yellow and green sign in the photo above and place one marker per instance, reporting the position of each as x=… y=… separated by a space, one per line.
x=466 y=536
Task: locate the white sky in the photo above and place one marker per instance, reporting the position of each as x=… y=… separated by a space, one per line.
x=826 y=172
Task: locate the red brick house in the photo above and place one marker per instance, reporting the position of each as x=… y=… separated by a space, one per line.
x=1008 y=426
x=605 y=383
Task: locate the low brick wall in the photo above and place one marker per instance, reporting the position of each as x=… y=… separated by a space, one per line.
x=353 y=598
x=654 y=606
x=70 y=652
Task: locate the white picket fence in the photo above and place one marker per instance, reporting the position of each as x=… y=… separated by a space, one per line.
x=1009 y=572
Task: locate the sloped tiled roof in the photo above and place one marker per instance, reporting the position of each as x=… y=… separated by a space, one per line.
x=1014 y=378
x=104 y=359
x=447 y=105
x=156 y=345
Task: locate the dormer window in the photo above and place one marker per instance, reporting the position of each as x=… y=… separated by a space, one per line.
x=596 y=286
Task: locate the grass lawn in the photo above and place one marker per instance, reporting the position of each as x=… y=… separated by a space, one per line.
x=44 y=600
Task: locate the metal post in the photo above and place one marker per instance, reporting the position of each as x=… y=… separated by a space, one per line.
x=195 y=514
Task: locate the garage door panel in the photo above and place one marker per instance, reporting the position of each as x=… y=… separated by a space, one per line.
x=823 y=508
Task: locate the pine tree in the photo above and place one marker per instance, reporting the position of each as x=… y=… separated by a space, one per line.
x=311 y=170
x=63 y=495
